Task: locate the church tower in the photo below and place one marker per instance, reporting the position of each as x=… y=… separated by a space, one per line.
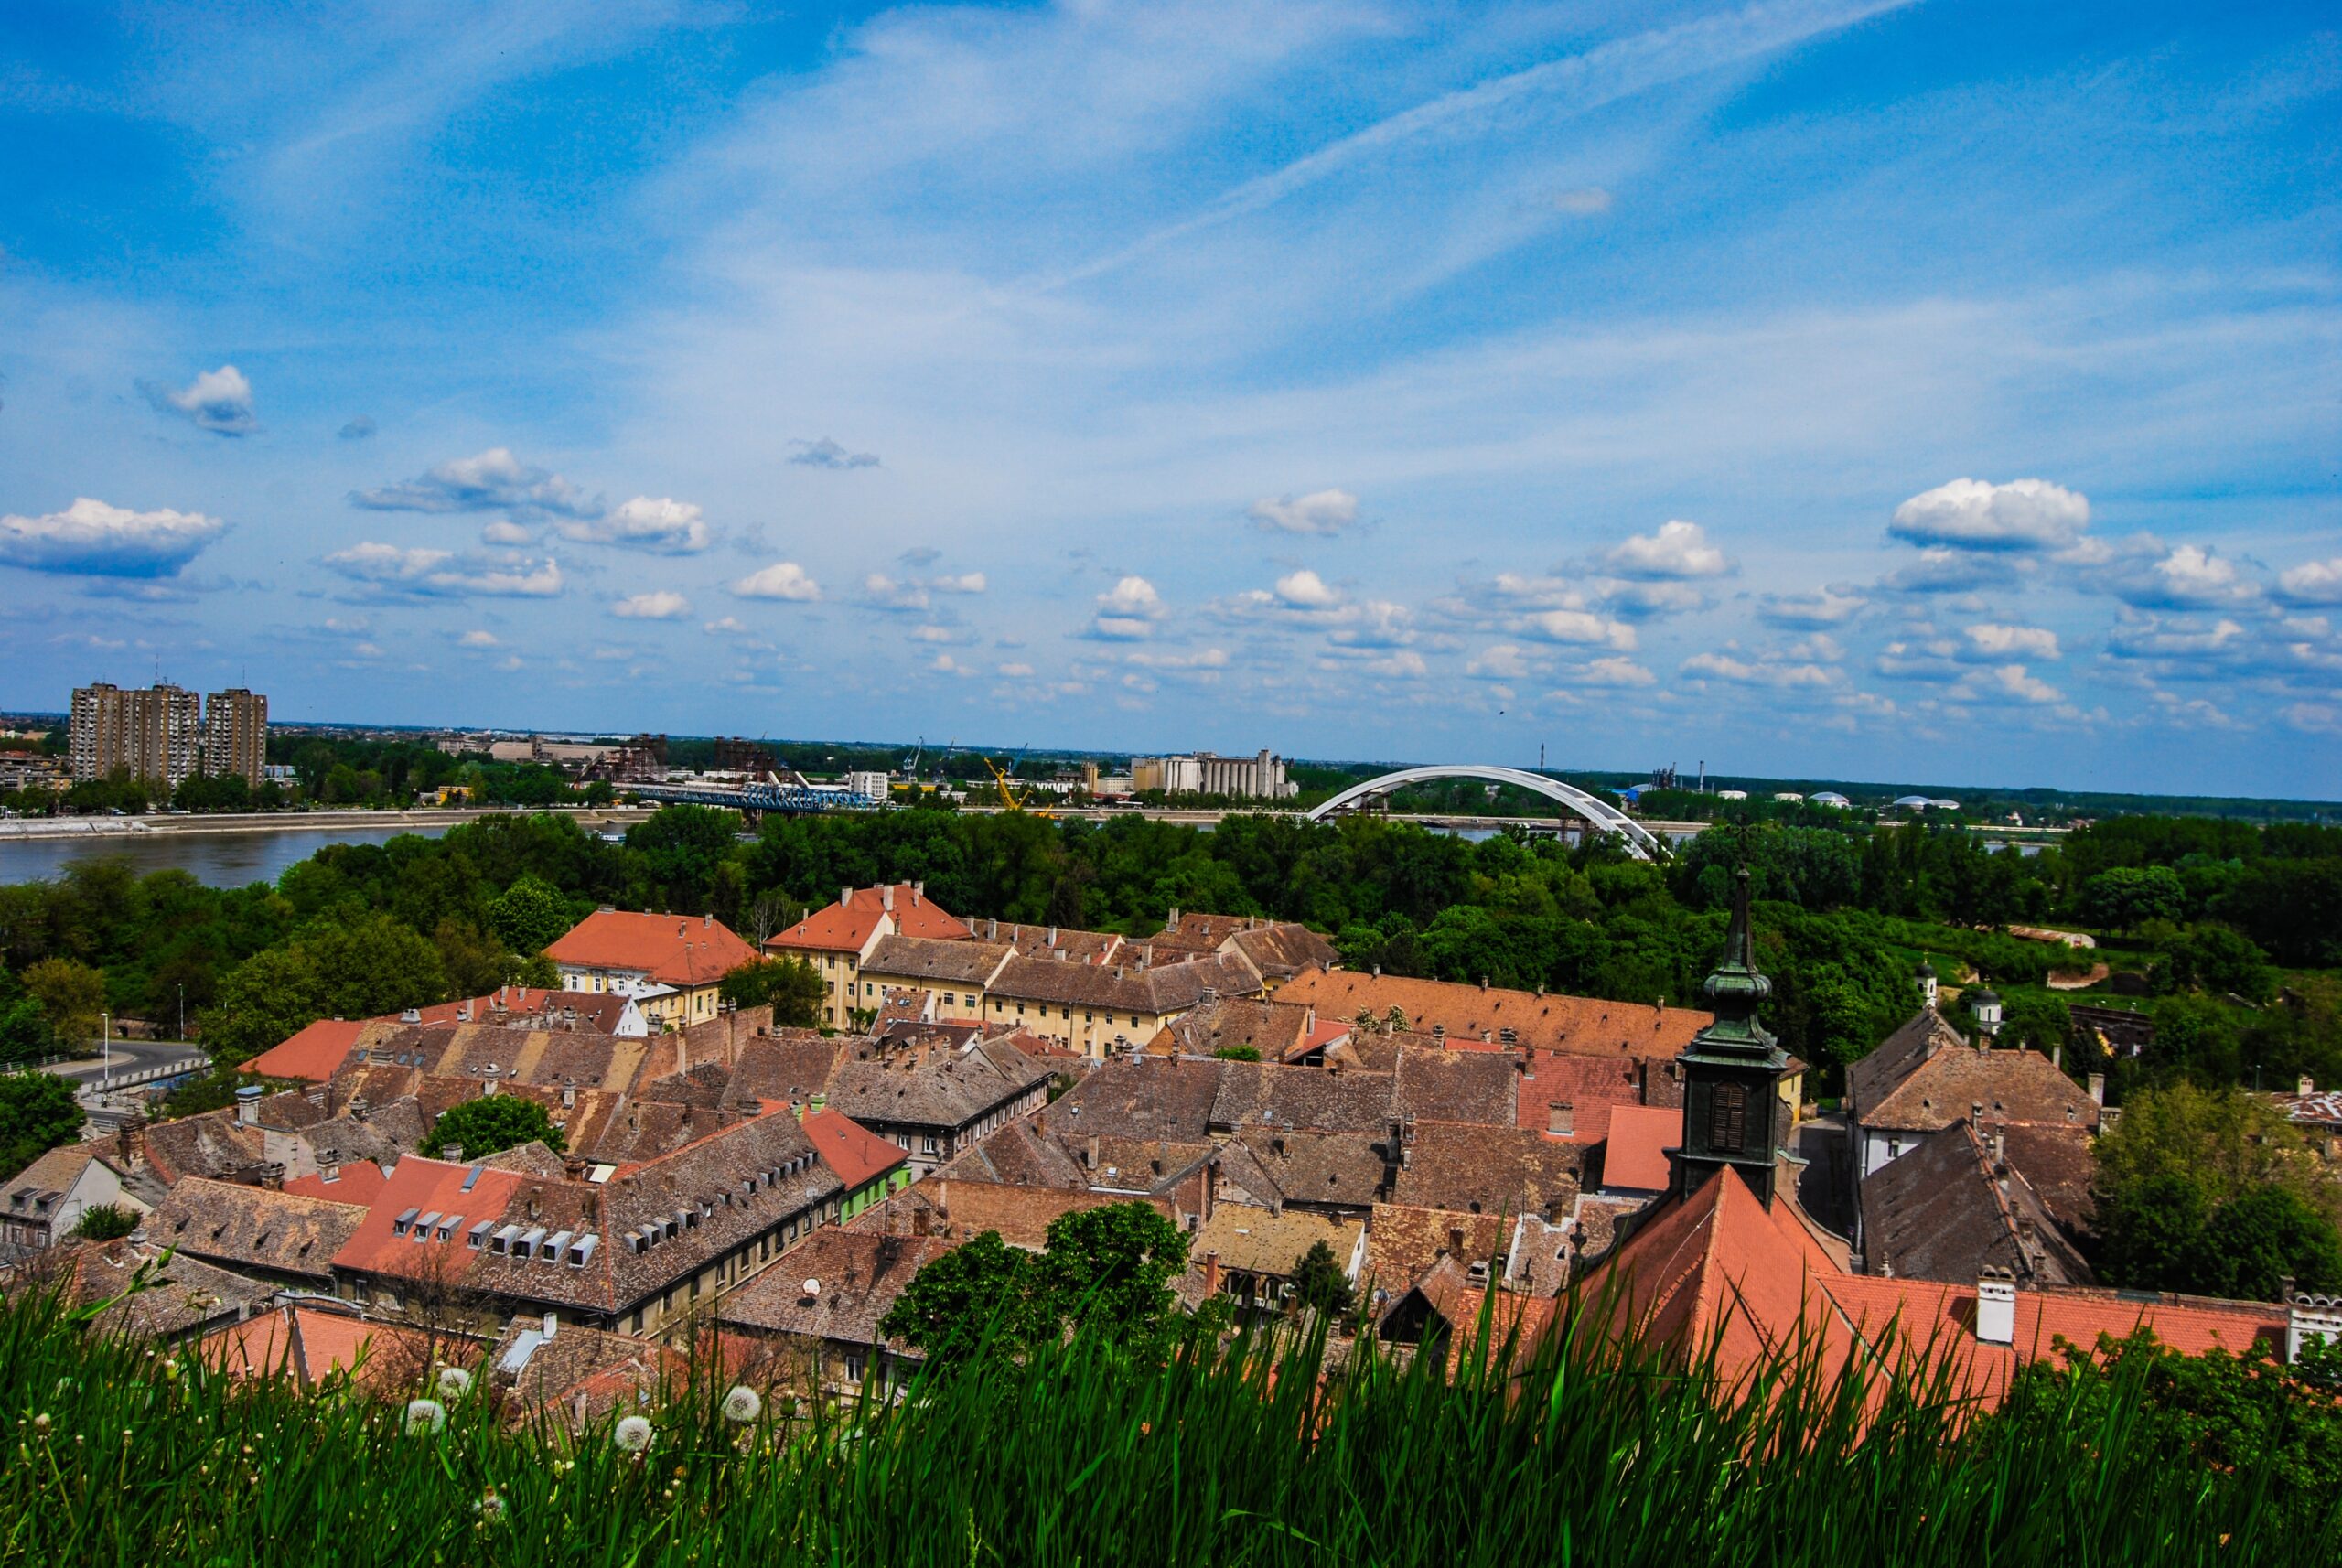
x=1733 y=1111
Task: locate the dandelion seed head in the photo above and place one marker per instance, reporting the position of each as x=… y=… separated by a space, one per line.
x=423 y=1417
x=453 y=1383
x=632 y=1434
x=742 y=1406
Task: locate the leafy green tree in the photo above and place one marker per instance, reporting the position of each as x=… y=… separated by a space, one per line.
x=491 y=1124
x=679 y=849
x=2128 y=897
x=1318 y=1283
x=2262 y=1237
x=25 y=1033
x=531 y=915
x=71 y=994
x=973 y=1294
x=1112 y=1263
x=372 y=966
x=1238 y=1053
x=38 y=1114
x=105 y=1222
x=474 y=962
x=791 y=986
x=2217 y=959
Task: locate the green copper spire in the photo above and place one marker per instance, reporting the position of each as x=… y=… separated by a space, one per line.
x=1737 y=989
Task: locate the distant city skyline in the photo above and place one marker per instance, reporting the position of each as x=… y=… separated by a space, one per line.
x=1849 y=390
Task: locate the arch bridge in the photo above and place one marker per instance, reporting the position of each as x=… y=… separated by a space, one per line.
x=1596 y=813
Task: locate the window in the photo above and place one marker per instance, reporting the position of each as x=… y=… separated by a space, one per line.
x=927 y=1146
x=1562 y=1120
x=1728 y=1117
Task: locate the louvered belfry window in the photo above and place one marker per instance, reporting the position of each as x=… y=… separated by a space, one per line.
x=1728 y=1117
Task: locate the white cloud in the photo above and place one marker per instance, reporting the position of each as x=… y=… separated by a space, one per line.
x=1970 y=514
x=1938 y=570
x=1993 y=641
x=1499 y=661
x=2005 y=683
x=1579 y=629
x=1824 y=607
x=721 y=625
x=2312 y=582
x=2151 y=637
x=2195 y=712
x=1649 y=599
x=1016 y=671
x=781 y=580
x=218 y=400
x=2315 y=718
x=1767 y=672
x=440 y=574
x=2186 y=576
x=966 y=582
x=827 y=454
x=504 y=531
x=1320 y=511
x=1405 y=665
x=659 y=525
x=1126 y=612
x=477 y=638
x=1164 y=659
x=660 y=604
x=1378 y=623
x=1678 y=550
x=889 y=594
x=1305 y=590
x=93 y=539
x=494 y=480
x=1612 y=672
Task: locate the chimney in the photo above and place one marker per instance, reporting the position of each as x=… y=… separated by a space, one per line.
x=452 y=1153
x=2304 y=1087
x=918 y=891
x=1089 y=1154
x=552 y=1324
x=247 y=1104
x=1995 y=1306
x=2097 y=1088
x=1484 y=983
x=2000 y=1149
x=1053 y=936
x=991 y=932
x=1211 y=1273
x=272 y=1177
x=846 y=898
x=1171 y=920
x=886 y=898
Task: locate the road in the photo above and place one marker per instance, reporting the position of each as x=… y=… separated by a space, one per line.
x=131 y=1061
x=1822 y=1187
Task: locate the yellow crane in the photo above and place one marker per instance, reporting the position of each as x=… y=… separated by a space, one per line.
x=1011 y=801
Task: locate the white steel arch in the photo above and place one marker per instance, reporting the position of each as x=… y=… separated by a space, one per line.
x=1640 y=844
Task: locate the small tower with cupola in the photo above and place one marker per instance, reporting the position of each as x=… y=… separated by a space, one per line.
x=1733 y=1112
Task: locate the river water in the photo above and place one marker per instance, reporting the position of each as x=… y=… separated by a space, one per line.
x=219 y=860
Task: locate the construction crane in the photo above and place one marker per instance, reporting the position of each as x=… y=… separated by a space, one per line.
x=1010 y=800
x=910 y=763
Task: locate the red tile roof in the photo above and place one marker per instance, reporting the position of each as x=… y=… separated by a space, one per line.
x=1580 y=1026
x=428 y=1186
x=360 y=1181
x=311 y=1055
x=853 y=1153
x=847 y=926
x=1635 y=1154
x=674 y=949
x=1593 y=1087
x=1720 y=1267
x=308 y=1343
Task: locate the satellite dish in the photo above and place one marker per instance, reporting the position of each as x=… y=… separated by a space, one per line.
x=812 y=1287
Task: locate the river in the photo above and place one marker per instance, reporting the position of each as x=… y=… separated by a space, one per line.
x=219 y=859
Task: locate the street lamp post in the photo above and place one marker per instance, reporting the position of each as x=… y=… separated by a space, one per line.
x=182 y=1014
x=106 y=1046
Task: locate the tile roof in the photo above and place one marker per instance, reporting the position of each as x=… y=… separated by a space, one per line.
x=1947 y=1210
x=1893 y=1059
x=1153 y=1097
x=1459 y=1086
x=251 y=1227
x=212 y=1145
x=1257 y=1241
x=1055 y=941
x=921 y=960
x=309 y=1055
x=1635 y=1154
x=1404 y=1242
x=1579 y=1024
x=580 y=1374
x=1284 y=948
x=857 y=1276
x=1593 y=1087
x=672 y=949
x=848 y=925
x=962 y=1210
x=1122 y=988
x=856 y=1154
x=1720 y=1266
x=2009 y=1085
x=179 y=1294
x=54 y=1173
x=788 y=1064
x=1320 y=1170
x=1319 y=1099
x=1019 y=1155
x=311 y=1343
x=358 y=1181
x=2057 y=1163
x=1276 y=1029
x=1486 y=1170
x=931 y=1086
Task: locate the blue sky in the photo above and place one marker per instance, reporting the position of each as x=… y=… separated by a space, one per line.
x=1919 y=392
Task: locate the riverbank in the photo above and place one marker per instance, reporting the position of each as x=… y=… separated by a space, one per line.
x=409 y=818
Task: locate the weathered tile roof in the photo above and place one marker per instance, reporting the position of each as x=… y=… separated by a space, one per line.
x=1896 y=1057
x=1459 y=1086
x=2009 y=1085
x=1948 y=1211
x=177 y=1297
x=1486 y=1170
x=961 y=1210
x=1403 y=1242
x=1122 y=988
x=212 y=1144
x=1319 y=1099
x=921 y=961
x=856 y=1276
x=1257 y=1241
x=254 y=1228
x=1461 y=1013
x=1278 y=1030
x=311 y=1343
x=931 y=1086
x=1593 y=1087
x=1277 y=1166
x=1020 y=1155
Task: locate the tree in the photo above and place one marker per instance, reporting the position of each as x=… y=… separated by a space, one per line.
x=38 y=1114
x=370 y=966
x=974 y=1294
x=791 y=986
x=2219 y=959
x=2128 y=897
x=531 y=915
x=25 y=1033
x=105 y=1222
x=2260 y=1239
x=72 y=994
x=1113 y=1265
x=491 y=1124
x=1318 y=1283
x=1238 y=1053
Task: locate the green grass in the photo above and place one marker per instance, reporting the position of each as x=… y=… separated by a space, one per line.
x=1588 y=1453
